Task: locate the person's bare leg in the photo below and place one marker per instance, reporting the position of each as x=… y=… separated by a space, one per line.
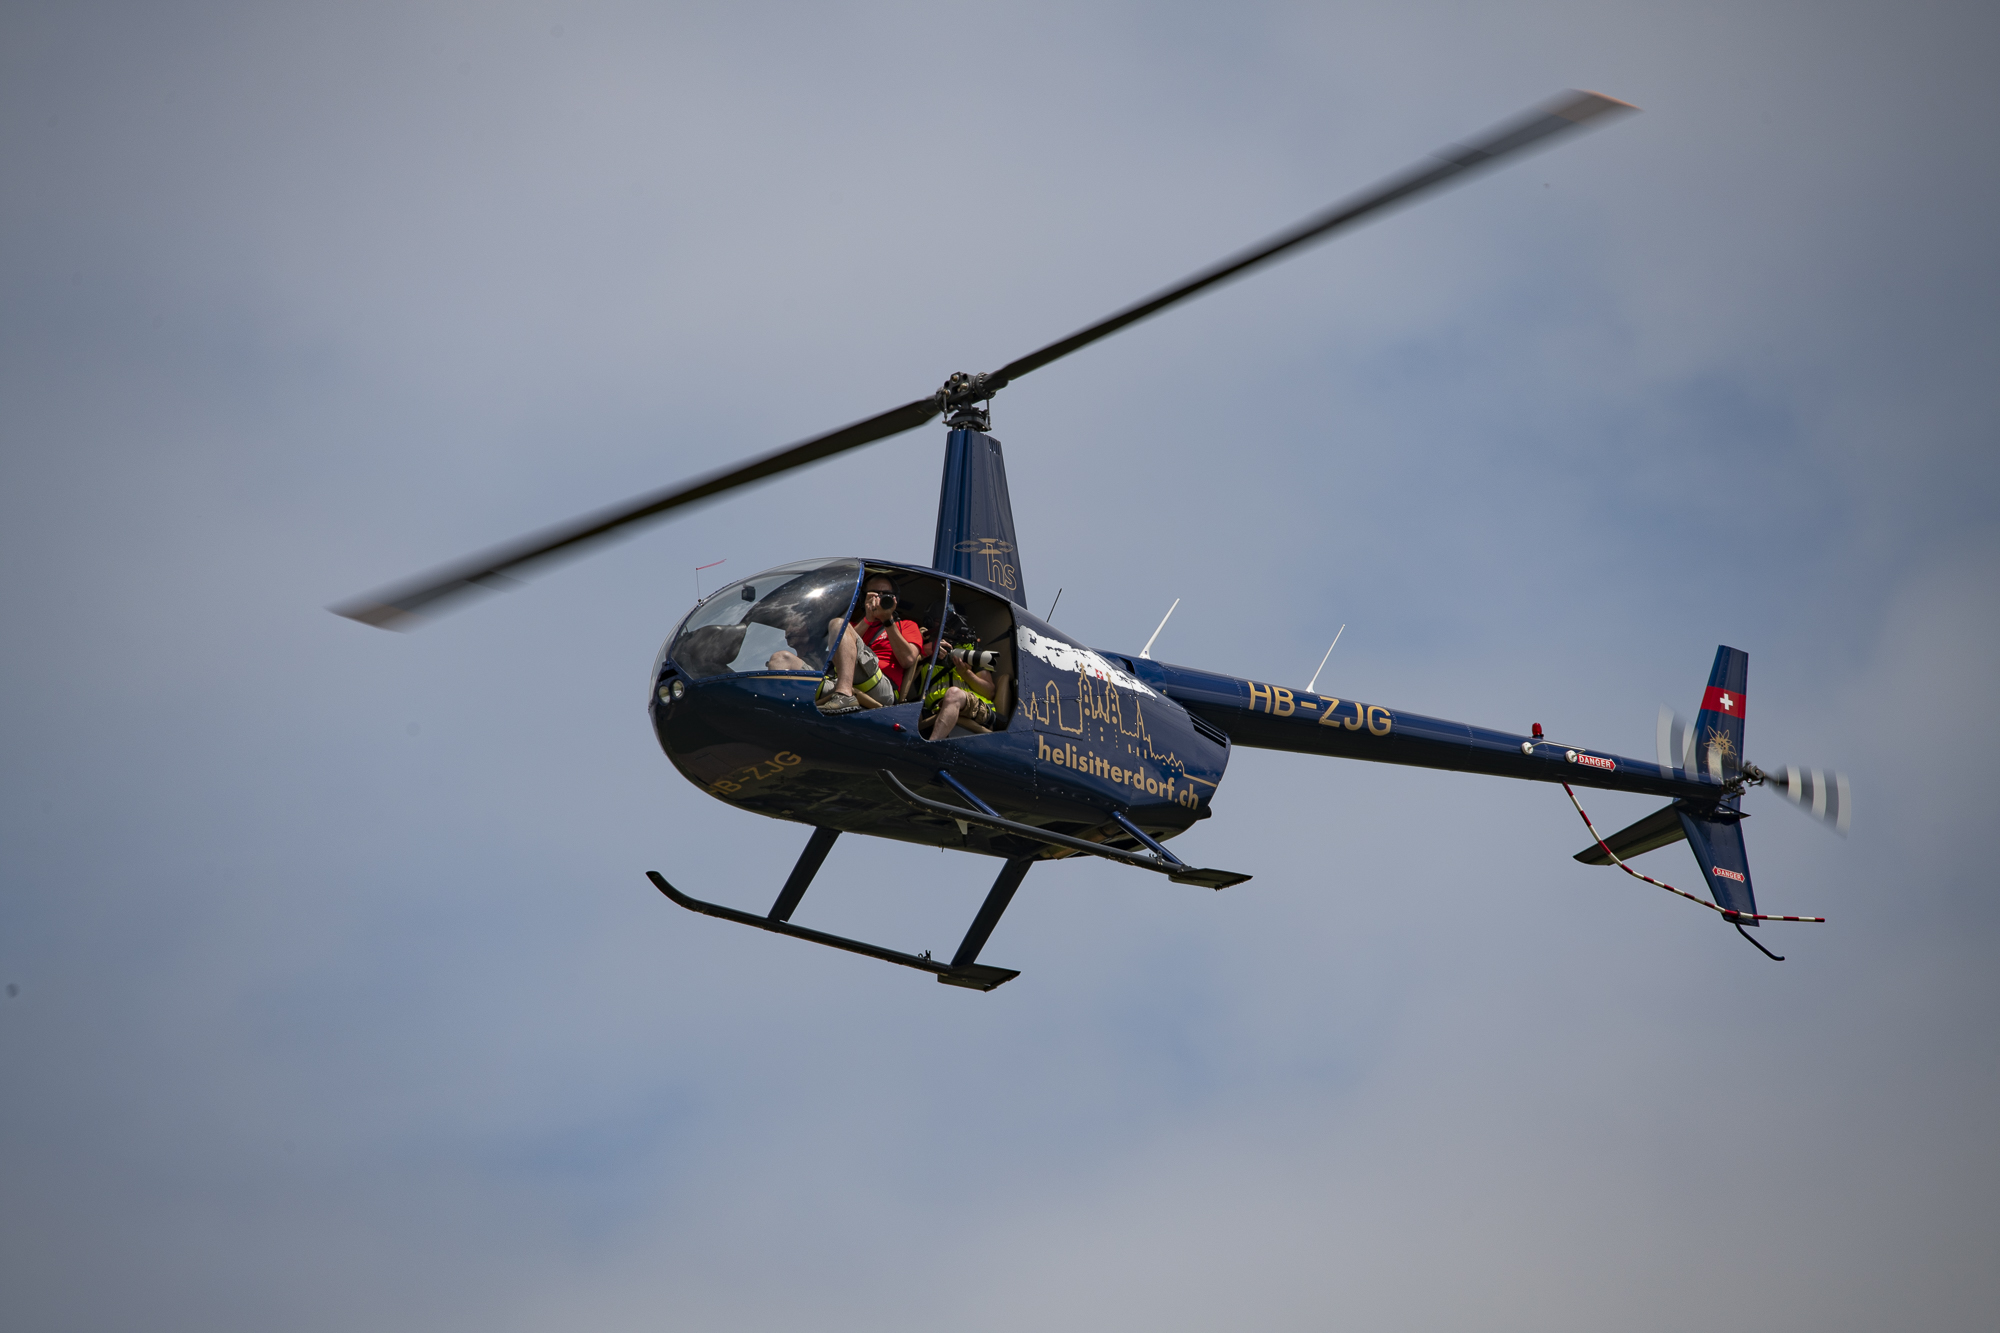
x=844 y=656
x=947 y=717
x=846 y=659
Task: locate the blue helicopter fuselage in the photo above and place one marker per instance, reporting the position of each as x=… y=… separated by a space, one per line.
x=1085 y=737
x=1088 y=735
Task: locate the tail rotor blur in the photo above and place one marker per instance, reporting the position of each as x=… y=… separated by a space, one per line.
x=1822 y=793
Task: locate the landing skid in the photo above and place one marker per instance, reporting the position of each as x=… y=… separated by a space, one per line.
x=962 y=970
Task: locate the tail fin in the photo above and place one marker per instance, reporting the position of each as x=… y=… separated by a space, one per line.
x=1717 y=834
x=1718 y=727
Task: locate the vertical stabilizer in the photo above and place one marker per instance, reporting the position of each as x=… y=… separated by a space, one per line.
x=1718 y=728
x=1717 y=752
x=975 y=523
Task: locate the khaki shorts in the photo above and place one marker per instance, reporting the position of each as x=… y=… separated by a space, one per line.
x=876 y=687
x=974 y=709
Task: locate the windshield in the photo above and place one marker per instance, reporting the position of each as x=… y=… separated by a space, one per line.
x=776 y=621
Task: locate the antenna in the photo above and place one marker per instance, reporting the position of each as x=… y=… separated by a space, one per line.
x=1050 y=617
x=1147 y=651
x=697 y=574
x=1329 y=653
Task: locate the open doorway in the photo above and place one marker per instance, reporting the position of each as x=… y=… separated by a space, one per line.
x=971 y=687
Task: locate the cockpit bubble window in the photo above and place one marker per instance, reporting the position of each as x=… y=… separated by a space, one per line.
x=776 y=621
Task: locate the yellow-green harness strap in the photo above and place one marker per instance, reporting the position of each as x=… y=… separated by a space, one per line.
x=942 y=678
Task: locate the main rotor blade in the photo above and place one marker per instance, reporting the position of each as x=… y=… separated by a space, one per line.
x=1565 y=113
x=395 y=607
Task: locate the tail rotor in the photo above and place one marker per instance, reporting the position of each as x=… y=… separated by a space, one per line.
x=1820 y=792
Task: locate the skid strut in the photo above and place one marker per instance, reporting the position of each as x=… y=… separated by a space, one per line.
x=963 y=969
x=1162 y=861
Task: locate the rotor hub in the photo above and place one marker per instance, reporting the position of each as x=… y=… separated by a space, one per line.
x=966 y=401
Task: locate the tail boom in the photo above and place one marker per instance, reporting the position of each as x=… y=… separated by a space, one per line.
x=1275 y=717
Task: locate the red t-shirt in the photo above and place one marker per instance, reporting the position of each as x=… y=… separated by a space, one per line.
x=876 y=636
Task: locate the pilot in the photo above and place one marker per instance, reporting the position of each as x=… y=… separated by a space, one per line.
x=958 y=692
x=875 y=646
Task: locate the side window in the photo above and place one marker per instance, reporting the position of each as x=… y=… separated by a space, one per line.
x=776 y=621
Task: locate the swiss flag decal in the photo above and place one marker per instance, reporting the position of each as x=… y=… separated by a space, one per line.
x=1727 y=702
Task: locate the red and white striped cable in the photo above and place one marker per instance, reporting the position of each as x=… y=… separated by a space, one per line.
x=1726 y=913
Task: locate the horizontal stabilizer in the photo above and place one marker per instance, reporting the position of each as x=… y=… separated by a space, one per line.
x=1655 y=830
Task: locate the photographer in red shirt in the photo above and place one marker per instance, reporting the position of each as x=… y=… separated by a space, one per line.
x=876 y=647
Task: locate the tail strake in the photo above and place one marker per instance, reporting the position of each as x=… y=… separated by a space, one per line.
x=1717 y=839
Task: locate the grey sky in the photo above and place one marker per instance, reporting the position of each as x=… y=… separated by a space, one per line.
x=342 y=1002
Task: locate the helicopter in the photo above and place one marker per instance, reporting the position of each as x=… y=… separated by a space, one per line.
x=1068 y=750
